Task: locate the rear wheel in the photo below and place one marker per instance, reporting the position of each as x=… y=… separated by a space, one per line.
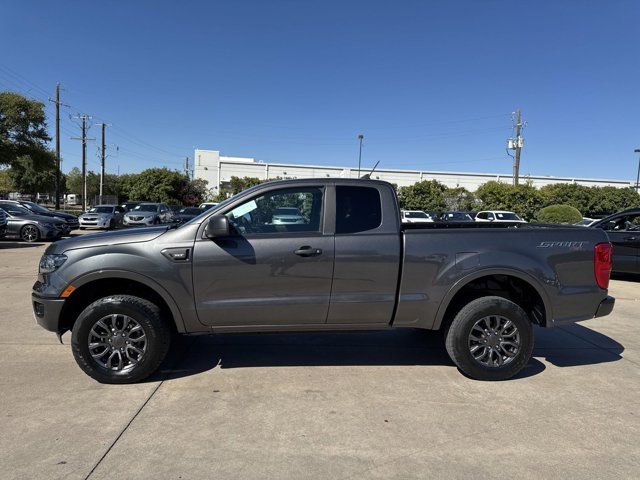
x=120 y=339
x=490 y=338
x=30 y=233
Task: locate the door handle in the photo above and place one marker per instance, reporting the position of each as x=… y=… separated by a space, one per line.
x=631 y=239
x=308 y=251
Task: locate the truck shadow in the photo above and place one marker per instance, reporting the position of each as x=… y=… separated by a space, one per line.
x=570 y=346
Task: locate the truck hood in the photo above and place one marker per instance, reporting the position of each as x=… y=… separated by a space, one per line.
x=133 y=235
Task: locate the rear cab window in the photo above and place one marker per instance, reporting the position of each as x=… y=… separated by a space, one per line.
x=358 y=209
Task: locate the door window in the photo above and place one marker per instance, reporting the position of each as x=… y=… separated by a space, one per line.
x=290 y=210
x=622 y=224
x=358 y=209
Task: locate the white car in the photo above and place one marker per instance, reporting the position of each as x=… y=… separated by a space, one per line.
x=586 y=222
x=287 y=216
x=498 y=216
x=415 y=216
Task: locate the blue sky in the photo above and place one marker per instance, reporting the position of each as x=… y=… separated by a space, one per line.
x=430 y=84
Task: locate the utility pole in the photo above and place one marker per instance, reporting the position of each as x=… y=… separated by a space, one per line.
x=186 y=167
x=57 y=103
x=103 y=157
x=516 y=144
x=84 y=139
x=637 y=150
x=361 y=138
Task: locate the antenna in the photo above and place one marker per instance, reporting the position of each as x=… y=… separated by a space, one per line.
x=367 y=176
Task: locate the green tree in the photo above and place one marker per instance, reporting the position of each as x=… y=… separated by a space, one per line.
x=23 y=128
x=32 y=176
x=559 y=214
x=578 y=196
x=194 y=192
x=6 y=184
x=459 y=198
x=159 y=185
x=425 y=195
x=608 y=200
x=523 y=199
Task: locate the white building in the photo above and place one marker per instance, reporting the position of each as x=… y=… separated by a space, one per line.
x=218 y=170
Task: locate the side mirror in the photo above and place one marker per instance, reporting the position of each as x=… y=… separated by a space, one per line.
x=218 y=226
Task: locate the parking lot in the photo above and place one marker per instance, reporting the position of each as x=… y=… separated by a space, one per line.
x=343 y=405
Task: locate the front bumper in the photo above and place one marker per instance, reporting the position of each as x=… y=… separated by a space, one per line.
x=47 y=311
x=145 y=222
x=97 y=223
x=3 y=230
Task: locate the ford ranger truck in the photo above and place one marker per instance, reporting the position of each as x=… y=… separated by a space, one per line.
x=347 y=264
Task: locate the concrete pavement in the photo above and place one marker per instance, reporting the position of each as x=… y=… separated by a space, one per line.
x=344 y=405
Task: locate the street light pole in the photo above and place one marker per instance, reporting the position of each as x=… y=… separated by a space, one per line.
x=360 y=137
x=637 y=150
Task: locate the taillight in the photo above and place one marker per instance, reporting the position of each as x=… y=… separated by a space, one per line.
x=602 y=264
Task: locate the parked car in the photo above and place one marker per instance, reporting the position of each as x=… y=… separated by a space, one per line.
x=498 y=216
x=455 y=217
x=71 y=221
x=23 y=224
x=187 y=213
x=415 y=216
x=623 y=230
x=208 y=205
x=105 y=217
x=586 y=222
x=176 y=208
x=147 y=214
x=287 y=215
x=128 y=206
x=350 y=265
x=3 y=223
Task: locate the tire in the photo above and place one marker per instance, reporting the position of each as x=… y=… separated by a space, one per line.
x=499 y=358
x=30 y=233
x=112 y=311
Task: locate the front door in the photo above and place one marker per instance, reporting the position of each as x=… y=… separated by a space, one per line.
x=624 y=234
x=275 y=269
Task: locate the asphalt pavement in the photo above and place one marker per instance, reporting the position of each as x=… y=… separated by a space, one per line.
x=340 y=406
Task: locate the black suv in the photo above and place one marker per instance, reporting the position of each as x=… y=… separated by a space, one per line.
x=623 y=229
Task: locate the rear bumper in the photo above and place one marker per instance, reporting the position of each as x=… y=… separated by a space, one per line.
x=605 y=307
x=46 y=311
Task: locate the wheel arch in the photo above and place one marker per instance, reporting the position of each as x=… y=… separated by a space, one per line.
x=509 y=281
x=94 y=285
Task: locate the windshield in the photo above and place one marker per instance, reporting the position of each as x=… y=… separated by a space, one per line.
x=36 y=208
x=15 y=209
x=101 y=210
x=507 y=216
x=146 y=208
x=415 y=215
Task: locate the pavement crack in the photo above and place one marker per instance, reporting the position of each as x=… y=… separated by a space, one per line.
x=179 y=359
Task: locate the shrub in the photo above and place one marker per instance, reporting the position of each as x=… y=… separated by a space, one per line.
x=559 y=214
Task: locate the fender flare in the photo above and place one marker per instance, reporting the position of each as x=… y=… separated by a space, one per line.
x=137 y=277
x=461 y=283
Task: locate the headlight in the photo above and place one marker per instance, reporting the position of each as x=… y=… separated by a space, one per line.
x=50 y=263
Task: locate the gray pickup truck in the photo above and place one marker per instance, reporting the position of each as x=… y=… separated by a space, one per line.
x=347 y=263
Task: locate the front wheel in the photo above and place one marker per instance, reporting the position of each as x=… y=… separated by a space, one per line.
x=491 y=338
x=30 y=233
x=120 y=339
